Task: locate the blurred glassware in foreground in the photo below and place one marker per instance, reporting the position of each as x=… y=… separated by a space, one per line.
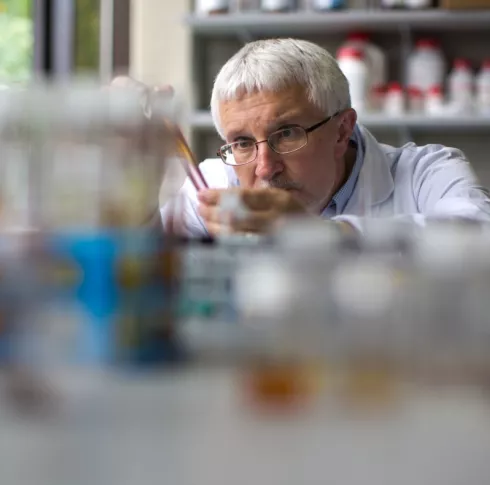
x=91 y=282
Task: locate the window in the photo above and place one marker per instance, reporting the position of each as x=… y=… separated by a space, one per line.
x=16 y=41
x=101 y=36
x=87 y=36
x=58 y=38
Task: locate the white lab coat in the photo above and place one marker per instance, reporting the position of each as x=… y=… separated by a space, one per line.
x=413 y=182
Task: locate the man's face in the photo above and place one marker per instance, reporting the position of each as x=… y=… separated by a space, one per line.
x=311 y=173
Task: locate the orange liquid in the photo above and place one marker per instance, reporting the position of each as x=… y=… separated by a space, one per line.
x=281 y=385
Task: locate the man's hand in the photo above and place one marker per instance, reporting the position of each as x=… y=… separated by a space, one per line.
x=263 y=208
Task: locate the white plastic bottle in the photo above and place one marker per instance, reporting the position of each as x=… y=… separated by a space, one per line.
x=426 y=65
x=434 y=101
x=417 y=4
x=212 y=6
x=277 y=5
x=376 y=61
x=460 y=87
x=352 y=64
x=483 y=89
x=395 y=100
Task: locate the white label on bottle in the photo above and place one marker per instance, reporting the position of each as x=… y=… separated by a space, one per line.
x=276 y=4
x=462 y=91
x=418 y=3
x=395 y=104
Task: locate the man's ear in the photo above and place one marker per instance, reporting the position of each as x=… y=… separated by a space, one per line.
x=347 y=122
x=347 y=125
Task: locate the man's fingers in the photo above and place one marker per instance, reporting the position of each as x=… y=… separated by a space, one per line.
x=259 y=221
x=264 y=199
x=211 y=218
x=166 y=89
x=255 y=221
x=209 y=213
x=209 y=197
x=262 y=208
x=213 y=228
x=253 y=199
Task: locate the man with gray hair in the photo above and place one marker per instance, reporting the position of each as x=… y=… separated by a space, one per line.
x=293 y=145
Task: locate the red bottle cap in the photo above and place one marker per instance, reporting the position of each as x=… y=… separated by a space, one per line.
x=462 y=64
x=435 y=90
x=350 y=52
x=395 y=87
x=427 y=43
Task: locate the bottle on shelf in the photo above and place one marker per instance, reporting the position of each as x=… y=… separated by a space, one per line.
x=278 y=5
x=327 y=5
x=483 y=88
x=460 y=87
x=418 y=4
x=246 y=5
x=394 y=104
x=415 y=99
x=434 y=101
x=353 y=64
x=376 y=63
x=426 y=65
x=392 y=4
x=210 y=7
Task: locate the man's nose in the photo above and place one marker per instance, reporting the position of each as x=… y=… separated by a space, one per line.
x=268 y=162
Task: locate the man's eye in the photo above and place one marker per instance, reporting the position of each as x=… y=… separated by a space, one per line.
x=243 y=144
x=286 y=133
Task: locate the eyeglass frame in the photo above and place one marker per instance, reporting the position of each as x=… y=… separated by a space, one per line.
x=256 y=143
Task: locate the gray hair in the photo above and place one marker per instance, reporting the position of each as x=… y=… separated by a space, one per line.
x=276 y=64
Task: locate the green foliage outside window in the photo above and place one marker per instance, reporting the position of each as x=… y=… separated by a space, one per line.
x=87 y=25
x=16 y=41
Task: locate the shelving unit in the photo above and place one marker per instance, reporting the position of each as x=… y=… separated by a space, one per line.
x=202 y=121
x=297 y=23
x=461 y=33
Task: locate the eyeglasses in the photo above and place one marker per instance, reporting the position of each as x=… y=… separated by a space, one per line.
x=286 y=140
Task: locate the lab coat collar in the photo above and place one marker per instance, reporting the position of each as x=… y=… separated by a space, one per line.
x=375 y=182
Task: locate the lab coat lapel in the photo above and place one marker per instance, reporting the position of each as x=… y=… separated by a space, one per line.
x=375 y=183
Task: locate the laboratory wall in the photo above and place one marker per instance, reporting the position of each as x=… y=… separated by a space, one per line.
x=160 y=49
